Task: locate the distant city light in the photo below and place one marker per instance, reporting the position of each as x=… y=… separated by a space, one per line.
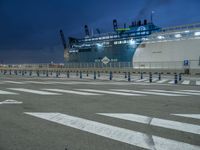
x=161 y=37
x=197 y=33
x=178 y=36
x=99 y=45
x=187 y=31
x=132 y=42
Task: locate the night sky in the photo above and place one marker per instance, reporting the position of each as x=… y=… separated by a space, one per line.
x=29 y=29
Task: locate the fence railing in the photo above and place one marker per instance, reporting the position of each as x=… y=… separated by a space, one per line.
x=191 y=64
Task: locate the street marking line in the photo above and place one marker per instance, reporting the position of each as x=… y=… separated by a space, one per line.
x=197 y=82
x=142 y=80
x=14 y=82
x=110 y=92
x=186 y=82
x=9 y=93
x=135 y=138
x=34 y=91
x=176 y=92
x=71 y=92
x=171 y=82
x=174 y=125
x=162 y=81
x=10 y=102
x=194 y=116
x=37 y=82
x=195 y=91
x=146 y=92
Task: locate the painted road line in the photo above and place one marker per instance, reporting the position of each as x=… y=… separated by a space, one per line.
x=135 y=138
x=7 y=93
x=146 y=92
x=174 y=125
x=197 y=82
x=142 y=80
x=37 y=82
x=162 y=81
x=194 y=91
x=71 y=92
x=194 y=116
x=10 y=102
x=171 y=82
x=34 y=91
x=176 y=92
x=110 y=92
x=14 y=82
x=186 y=82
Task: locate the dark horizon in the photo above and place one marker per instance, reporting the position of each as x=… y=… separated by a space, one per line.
x=30 y=30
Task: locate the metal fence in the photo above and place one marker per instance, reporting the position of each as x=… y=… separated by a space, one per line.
x=191 y=64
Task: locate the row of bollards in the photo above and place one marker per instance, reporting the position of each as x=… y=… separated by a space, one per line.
x=127 y=75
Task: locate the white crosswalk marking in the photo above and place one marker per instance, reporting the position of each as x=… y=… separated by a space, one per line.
x=14 y=82
x=171 y=82
x=7 y=93
x=72 y=92
x=197 y=82
x=176 y=92
x=186 y=82
x=37 y=82
x=146 y=92
x=34 y=91
x=9 y=101
x=135 y=138
x=142 y=80
x=110 y=92
x=194 y=116
x=194 y=91
x=175 y=125
x=162 y=81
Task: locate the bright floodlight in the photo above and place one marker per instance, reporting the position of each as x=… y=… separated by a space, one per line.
x=178 y=36
x=161 y=37
x=99 y=45
x=132 y=42
x=197 y=33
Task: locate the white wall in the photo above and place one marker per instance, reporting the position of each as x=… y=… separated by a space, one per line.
x=170 y=53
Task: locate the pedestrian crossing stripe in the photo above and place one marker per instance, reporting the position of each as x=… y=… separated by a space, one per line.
x=10 y=102
x=147 y=92
x=176 y=92
x=7 y=93
x=110 y=92
x=72 y=92
x=162 y=81
x=186 y=82
x=174 y=125
x=194 y=116
x=135 y=81
x=135 y=138
x=33 y=91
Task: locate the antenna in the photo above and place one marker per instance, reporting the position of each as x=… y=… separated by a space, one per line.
x=152 y=12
